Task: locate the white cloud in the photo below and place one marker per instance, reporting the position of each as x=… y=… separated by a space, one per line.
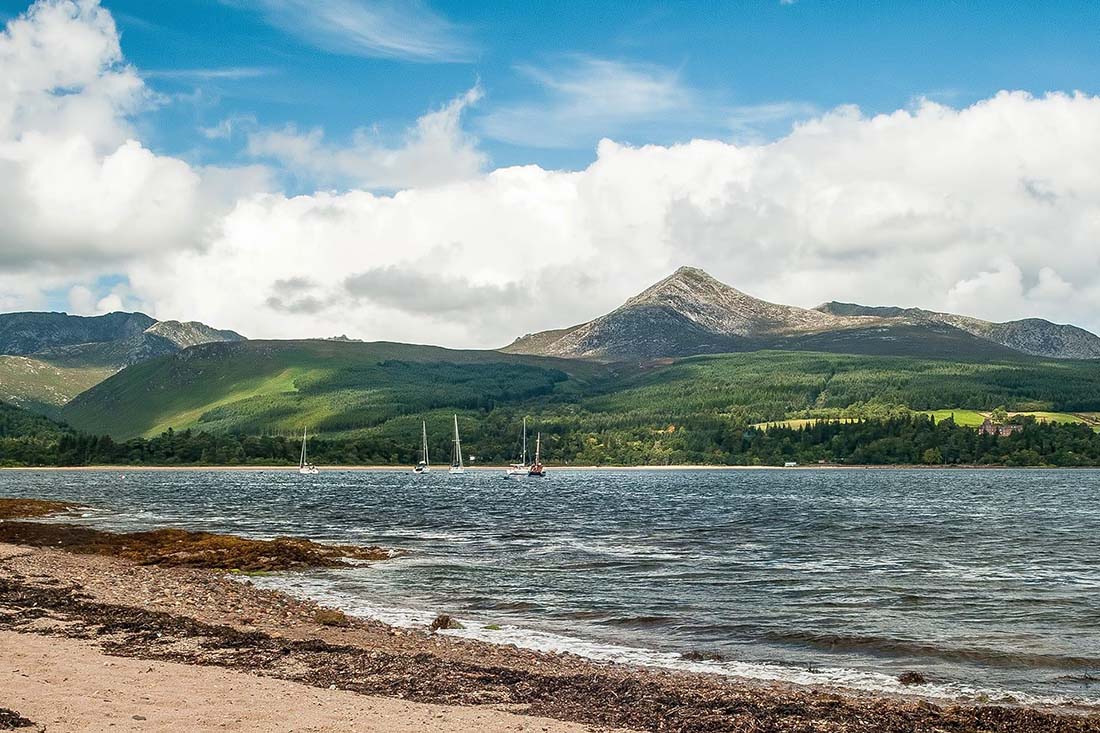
x=922 y=207
x=77 y=189
x=435 y=150
x=398 y=29
x=586 y=98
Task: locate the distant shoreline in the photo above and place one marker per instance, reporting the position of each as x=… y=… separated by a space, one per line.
x=501 y=469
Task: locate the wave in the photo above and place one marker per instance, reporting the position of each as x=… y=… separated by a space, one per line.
x=479 y=629
x=886 y=646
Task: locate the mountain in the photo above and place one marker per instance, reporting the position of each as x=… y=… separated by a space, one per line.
x=112 y=340
x=690 y=312
x=48 y=358
x=1033 y=336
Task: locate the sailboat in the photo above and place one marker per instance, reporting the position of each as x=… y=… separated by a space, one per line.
x=304 y=467
x=456 y=457
x=521 y=468
x=536 y=468
x=422 y=466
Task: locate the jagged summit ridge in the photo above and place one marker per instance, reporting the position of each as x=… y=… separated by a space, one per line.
x=114 y=340
x=690 y=312
x=1034 y=336
x=723 y=309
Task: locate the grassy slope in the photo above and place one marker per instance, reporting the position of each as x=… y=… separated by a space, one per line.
x=771 y=386
x=341 y=388
x=40 y=385
x=332 y=387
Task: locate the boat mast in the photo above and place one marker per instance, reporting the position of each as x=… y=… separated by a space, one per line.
x=424 y=440
x=458 y=447
x=302 y=463
x=524 y=458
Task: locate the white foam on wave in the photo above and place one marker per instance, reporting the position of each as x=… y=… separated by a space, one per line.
x=323 y=590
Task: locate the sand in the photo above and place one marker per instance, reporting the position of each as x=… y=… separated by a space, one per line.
x=67 y=686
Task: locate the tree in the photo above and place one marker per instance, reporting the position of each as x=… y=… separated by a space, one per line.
x=932 y=457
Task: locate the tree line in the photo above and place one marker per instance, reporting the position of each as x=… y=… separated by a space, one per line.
x=569 y=440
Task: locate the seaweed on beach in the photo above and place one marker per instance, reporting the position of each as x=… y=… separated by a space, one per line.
x=11 y=720
x=27 y=508
x=182 y=548
x=583 y=692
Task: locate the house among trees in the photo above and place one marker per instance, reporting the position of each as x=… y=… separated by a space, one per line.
x=991 y=428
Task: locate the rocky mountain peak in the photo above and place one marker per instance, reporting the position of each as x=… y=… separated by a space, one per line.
x=720 y=308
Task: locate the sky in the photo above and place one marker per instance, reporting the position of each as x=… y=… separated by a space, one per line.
x=465 y=173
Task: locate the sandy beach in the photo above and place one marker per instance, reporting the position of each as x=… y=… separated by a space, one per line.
x=65 y=686
x=92 y=641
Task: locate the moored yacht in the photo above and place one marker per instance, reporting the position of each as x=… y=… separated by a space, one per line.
x=456 y=455
x=536 y=468
x=521 y=468
x=422 y=465
x=305 y=467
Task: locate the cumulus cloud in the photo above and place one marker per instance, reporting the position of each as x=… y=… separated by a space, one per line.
x=77 y=187
x=433 y=295
x=435 y=150
x=922 y=207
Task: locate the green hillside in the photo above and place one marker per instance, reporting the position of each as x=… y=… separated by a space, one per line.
x=772 y=385
x=329 y=386
x=381 y=391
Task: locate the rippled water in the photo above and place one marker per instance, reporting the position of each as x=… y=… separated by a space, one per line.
x=986 y=581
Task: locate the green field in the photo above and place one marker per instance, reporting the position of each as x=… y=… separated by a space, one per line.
x=965 y=418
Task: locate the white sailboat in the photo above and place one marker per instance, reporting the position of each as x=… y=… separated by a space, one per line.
x=456 y=456
x=422 y=466
x=304 y=467
x=521 y=468
x=536 y=468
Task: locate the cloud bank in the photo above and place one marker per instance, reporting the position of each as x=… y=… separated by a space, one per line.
x=990 y=210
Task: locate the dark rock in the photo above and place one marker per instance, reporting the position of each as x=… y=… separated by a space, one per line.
x=701 y=656
x=443 y=622
x=912 y=678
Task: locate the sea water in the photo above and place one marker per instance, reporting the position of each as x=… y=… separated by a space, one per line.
x=985 y=581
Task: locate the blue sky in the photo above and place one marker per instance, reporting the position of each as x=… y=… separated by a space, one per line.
x=748 y=69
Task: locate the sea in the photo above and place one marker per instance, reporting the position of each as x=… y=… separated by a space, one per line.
x=987 y=582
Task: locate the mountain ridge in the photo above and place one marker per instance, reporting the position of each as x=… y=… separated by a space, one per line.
x=47 y=358
x=1034 y=336
x=690 y=312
